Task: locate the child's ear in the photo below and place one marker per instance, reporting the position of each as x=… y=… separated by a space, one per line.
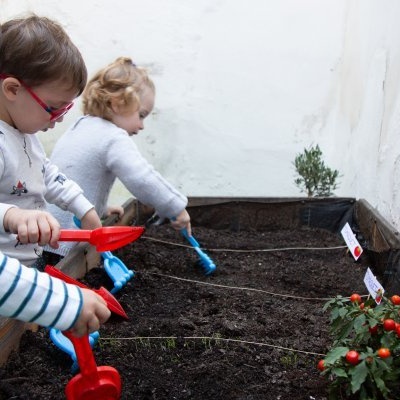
x=10 y=87
x=116 y=106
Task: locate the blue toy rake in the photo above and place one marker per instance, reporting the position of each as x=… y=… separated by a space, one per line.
x=117 y=271
x=206 y=262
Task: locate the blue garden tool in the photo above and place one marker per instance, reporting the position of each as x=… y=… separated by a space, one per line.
x=115 y=268
x=64 y=344
x=206 y=262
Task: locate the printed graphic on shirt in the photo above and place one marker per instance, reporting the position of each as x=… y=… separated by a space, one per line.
x=60 y=178
x=19 y=189
x=38 y=251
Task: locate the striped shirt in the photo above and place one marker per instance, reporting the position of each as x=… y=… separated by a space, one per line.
x=32 y=296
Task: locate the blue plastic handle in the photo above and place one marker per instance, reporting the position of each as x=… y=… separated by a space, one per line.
x=191 y=239
x=206 y=261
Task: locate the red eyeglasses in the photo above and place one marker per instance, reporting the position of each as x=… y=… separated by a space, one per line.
x=55 y=113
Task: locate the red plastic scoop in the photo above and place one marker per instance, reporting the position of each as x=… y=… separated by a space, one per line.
x=112 y=302
x=106 y=238
x=93 y=382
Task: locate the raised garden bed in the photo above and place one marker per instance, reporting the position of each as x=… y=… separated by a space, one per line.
x=254 y=329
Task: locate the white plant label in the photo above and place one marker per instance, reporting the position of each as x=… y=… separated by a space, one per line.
x=375 y=289
x=351 y=241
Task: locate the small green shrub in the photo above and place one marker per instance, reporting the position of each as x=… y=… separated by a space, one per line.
x=315 y=178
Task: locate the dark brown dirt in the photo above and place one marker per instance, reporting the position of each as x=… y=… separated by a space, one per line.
x=254 y=329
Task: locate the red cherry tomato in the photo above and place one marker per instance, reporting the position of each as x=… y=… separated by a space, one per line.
x=321 y=365
x=383 y=352
x=373 y=330
x=395 y=299
x=352 y=357
x=389 y=325
x=355 y=298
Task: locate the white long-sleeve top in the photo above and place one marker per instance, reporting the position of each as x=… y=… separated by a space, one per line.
x=32 y=296
x=28 y=180
x=94 y=152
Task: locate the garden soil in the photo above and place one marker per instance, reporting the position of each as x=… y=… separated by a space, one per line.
x=255 y=329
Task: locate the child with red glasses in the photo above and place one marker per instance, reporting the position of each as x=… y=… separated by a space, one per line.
x=115 y=103
x=41 y=73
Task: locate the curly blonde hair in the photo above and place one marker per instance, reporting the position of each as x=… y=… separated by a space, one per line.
x=121 y=83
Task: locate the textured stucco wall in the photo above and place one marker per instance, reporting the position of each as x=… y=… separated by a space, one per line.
x=243 y=87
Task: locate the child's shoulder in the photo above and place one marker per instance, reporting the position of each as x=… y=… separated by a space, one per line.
x=107 y=127
x=100 y=132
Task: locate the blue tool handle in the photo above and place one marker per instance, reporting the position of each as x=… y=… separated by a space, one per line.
x=191 y=239
x=205 y=259
x=77 y=222
x=185 y=233
x=107 y=254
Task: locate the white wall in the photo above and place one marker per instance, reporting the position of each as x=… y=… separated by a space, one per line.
x=242 y=87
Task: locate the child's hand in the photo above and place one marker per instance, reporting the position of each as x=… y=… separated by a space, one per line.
x=115 y=210
x=94 y=313
x=91 y=220
x=182 y=221
x=32 y=226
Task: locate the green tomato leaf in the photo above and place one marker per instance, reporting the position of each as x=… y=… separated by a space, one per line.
x=339 y=372
x=382 y=365
x=387 y=339
x=359 y=374
x=342 y=312
x=359 y=323
x=344 y=332
x=381 y=385
x=335 y=354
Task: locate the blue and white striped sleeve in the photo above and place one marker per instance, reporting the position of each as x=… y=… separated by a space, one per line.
x=32 y=296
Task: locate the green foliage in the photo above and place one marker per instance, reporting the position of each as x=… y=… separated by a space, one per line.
x=289 y=359
x=361 y=327
x=314 y=177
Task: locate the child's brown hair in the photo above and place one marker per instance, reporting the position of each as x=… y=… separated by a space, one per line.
x=120 y=82
x=37 y=50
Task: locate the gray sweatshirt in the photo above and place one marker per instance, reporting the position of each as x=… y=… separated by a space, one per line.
x=93 y=153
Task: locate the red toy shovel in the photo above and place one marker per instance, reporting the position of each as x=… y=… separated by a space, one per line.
x=112 y=302
x=106 y=238
x=93 y=382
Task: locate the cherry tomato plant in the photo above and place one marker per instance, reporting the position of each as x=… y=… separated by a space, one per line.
x=364 y=358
